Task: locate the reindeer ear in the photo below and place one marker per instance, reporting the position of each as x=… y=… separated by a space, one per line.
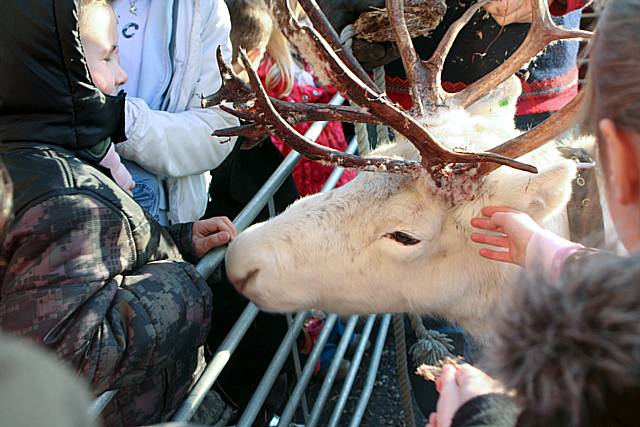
x=548 y=191
x=540 y=195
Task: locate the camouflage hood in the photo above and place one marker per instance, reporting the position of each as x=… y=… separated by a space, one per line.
x=47 y=95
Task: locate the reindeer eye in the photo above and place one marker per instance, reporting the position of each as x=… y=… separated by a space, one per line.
x=403 y=238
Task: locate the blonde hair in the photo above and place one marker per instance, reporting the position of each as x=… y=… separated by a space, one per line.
x=85 y=5
x=280 y=74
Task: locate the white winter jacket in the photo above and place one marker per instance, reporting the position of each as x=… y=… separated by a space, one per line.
x=170 y=134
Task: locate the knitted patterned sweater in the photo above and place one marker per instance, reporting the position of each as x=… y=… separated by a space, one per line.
x=549 y=82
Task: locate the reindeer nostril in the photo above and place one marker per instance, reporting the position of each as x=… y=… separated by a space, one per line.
x=242 y=283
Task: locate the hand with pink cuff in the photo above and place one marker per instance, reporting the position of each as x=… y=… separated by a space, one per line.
x=516 y=230
x=518 y=239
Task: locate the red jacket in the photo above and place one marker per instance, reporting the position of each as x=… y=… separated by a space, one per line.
x=310 y=175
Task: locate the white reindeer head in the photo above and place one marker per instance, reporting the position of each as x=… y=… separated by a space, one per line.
x=393 y=242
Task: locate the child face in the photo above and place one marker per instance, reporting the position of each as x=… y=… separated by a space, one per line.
x=99 y=36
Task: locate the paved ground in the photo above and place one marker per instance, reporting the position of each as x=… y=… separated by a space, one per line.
x=385 y=406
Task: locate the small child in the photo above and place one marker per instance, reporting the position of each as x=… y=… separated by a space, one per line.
x=99 y=37
x=251 y=27
x=289 y=78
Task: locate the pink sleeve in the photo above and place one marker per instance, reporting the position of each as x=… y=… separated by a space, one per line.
x=547 y=253
x=562 y=7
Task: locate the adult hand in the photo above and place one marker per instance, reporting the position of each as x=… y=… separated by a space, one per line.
x=507 y=12
x=456 y=386
x=516 y=227
x=212 y=232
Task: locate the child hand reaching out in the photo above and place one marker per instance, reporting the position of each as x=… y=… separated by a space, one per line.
x=516 y=229
x=518 y=239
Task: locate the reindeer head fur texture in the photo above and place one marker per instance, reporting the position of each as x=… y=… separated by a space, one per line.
x=391 y=243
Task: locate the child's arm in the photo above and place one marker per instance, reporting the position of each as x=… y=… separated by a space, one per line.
x=180 y=144
x=521 y=241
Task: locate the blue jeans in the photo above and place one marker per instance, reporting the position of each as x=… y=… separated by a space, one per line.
x=148 y=191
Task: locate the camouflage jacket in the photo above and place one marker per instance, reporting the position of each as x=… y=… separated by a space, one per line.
x=83 y=270
x=87 y=273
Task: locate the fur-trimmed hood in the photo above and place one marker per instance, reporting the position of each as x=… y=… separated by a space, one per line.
x=572 y=351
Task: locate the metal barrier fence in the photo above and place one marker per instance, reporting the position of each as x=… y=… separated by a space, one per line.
x=288 y=345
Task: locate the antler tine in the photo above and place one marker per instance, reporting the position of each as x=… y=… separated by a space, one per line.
x=233 y=88
x=316 y=151
x=324 y=61
x=417 y=74
x=542 y=32
x=435 y=64
x=295 y=112
x=539 y=135
x=322 y=24
x=253 y=134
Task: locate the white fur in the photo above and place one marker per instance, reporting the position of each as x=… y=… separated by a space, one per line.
x=330 y=252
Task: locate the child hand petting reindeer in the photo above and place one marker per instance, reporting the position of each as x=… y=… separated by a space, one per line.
x=578 y=366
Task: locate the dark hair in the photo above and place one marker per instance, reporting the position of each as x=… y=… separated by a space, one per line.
x=571 y=351
x=251 y=25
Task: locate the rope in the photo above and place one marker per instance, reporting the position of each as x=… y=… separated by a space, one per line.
x=403 y=370
x=431 y=346
x=362 y=135
x=379 y=78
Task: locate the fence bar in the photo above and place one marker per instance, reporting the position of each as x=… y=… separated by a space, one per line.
x=298 y=393
x=297 y=366
x=309 y=367
x=338 y=171
x=323 y=394
x=373 y=371
x=101 y=402
x=219 y=361
x=351 y=375
x=270 y=376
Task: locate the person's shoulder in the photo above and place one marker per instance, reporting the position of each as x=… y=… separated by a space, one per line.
x=42 y=172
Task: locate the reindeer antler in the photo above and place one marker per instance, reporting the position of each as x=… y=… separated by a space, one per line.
x=325 y=62
x=268 y=116
x=543 y=31
x=332 y=63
